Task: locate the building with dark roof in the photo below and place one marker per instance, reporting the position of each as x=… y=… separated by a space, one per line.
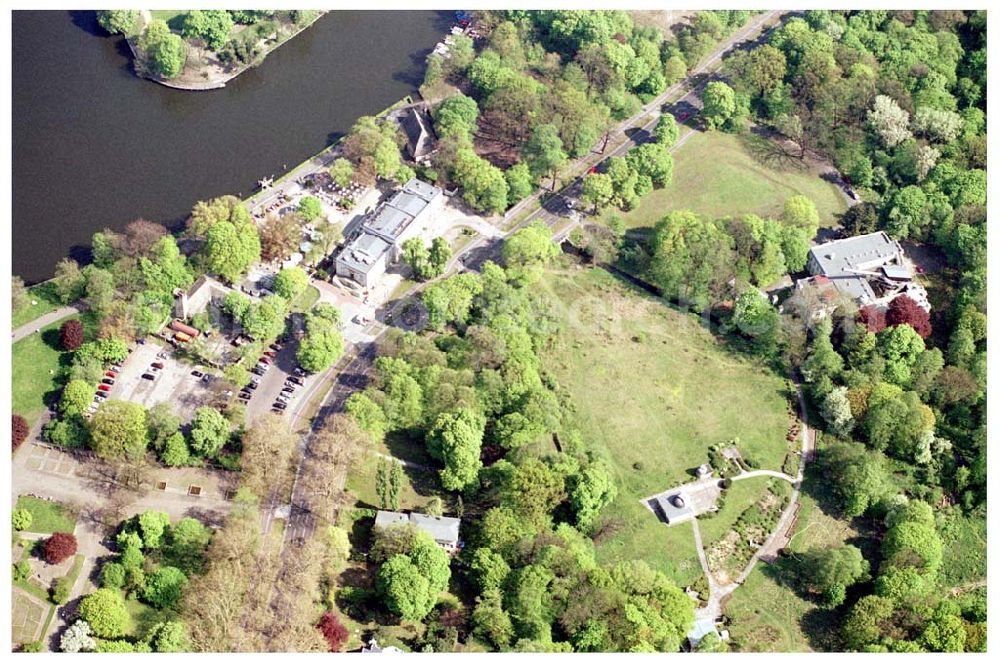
x=420 y=140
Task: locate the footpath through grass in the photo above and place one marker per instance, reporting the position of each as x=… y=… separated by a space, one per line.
x=718 y=174
x=654 y=389
x=46 y=516
x=45 y=301
x=768 y=615
x=36 y=362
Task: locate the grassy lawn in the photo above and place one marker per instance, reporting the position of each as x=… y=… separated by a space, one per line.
x=46 y=516
x=45 y=301
x=767 y=616
x=964 y=540
x=306 y=300
x=35 y=362
x=717 y=174
x=740 y=497
x=417 y=489
x=144 y=617
x=173 y=17
x=674 y=390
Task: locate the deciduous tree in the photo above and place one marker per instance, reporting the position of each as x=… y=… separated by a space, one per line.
x=119 y=431
x=209 y=432
x=106 y=613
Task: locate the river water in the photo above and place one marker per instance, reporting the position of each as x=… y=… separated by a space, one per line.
x=94 y=146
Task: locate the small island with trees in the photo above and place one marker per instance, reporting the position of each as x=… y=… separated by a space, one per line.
x=202 y=49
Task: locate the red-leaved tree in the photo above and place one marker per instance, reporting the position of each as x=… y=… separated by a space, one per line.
x=334 y=632
x=872 y=317
x=59 y=546
x=904 y=310
x=18 y=429
x=71 y=335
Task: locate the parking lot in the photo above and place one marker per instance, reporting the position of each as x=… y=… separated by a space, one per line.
x=173 y=384
x=275 y=380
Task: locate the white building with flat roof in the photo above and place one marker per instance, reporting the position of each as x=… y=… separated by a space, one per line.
x=379 y=241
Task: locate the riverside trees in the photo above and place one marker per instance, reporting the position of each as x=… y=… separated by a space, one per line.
x=549 y=86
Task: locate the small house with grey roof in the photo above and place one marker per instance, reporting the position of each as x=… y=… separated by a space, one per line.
x=443 y=529
x=378 y=242
x=870 y=270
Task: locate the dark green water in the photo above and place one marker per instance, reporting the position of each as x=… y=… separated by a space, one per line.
x=94 y=146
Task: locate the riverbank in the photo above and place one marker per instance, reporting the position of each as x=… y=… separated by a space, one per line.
x=70 y=108
x=318 y=162
x=203 y=70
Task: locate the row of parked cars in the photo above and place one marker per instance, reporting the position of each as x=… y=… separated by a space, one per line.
x=103 y=388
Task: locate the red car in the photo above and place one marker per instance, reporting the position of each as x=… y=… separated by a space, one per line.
x=103 y=387
x=111 y=373
x=270 y=354
x=592 y=169
x=263 y=359
x=158 y=365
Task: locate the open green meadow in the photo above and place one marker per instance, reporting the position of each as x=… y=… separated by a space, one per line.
x=654 y=389
x=36 y=363
x=718 y=174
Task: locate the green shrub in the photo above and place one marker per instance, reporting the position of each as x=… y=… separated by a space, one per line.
x=113 y=575
x=60 y=590
x=22 y=571
x=20 y=520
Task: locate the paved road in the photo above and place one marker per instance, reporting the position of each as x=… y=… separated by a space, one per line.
x=43 y=321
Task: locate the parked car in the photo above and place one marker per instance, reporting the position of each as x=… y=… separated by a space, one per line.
x=275 y=346
x=282 y=399
x=102 y=391
x=256 y=370
x=245 y=396
x=270 y=354
x=286 y=395
x=243 y=401
x=279 y=406
x=299 y=371
x=100 y=398
x=296 y=380
x=108 y=381
x=111 y=373
x=157 y=365
x=265 y=360
x=94 y=405
x=149 y=376
x=116 y=368
x=103 y=387
x=207 y=378
x=197 y=373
